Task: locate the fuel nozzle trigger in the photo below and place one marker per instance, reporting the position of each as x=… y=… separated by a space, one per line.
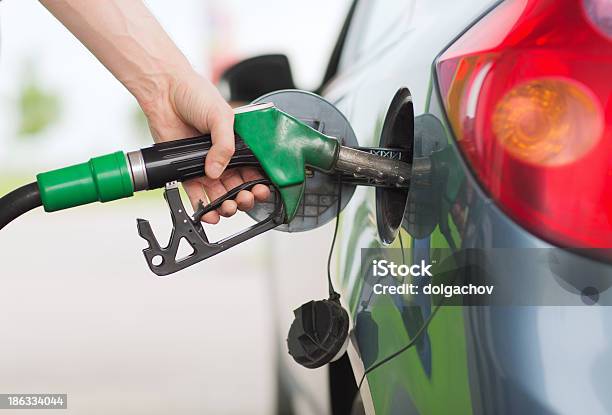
x=164 y=261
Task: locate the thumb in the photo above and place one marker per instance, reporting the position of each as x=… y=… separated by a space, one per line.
x=199 y=104
x=221 y=124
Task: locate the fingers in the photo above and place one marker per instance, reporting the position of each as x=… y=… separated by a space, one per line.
x=198 y=105
x=260 y=191
x=211 y=217
x=195 y=192
x=244 y=199
x=221 y=123
x=215 y=189
x=206 y=190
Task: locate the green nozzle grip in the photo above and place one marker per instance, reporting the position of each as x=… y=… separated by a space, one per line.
x=285 y=146
x=103 y=179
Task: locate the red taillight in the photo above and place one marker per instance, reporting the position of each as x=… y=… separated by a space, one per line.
x=527 y=91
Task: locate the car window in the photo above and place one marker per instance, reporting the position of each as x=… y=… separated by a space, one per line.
x=373 y=23
x=334 y=60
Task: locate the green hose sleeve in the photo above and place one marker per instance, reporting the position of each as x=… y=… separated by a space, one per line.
x=103 y=179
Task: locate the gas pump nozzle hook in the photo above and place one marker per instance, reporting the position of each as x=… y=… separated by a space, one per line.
x=165 y=261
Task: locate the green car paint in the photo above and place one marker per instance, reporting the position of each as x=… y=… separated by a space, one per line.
x=446 y=389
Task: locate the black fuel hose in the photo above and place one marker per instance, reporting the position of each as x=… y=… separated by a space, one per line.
x=18 y=202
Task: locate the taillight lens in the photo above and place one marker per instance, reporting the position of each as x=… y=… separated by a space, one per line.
x=527 y=91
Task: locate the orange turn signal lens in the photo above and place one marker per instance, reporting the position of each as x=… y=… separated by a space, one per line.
x=548 y=122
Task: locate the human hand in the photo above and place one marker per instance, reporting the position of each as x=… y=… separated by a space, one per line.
x=178 y=102
x=192 y=106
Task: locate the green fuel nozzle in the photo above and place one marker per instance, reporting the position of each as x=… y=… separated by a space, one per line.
x=287 y=150
x=266 y=137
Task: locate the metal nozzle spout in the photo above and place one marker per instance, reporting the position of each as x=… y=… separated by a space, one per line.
x=389 y=172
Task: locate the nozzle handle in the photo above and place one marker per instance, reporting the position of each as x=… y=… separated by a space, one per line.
x=181 y=160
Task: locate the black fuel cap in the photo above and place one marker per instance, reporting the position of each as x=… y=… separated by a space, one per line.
x=318 y=333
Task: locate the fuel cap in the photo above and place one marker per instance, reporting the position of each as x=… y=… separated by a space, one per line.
x=319 y=333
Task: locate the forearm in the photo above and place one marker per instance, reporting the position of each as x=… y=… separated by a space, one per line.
x=128 y=40
x=177 y=102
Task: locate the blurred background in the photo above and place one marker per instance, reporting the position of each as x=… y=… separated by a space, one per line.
x=80 y=312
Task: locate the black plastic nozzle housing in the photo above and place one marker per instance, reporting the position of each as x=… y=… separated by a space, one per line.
x=181 y=160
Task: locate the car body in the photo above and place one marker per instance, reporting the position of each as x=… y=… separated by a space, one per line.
x=535 y=357
x=542 y=349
